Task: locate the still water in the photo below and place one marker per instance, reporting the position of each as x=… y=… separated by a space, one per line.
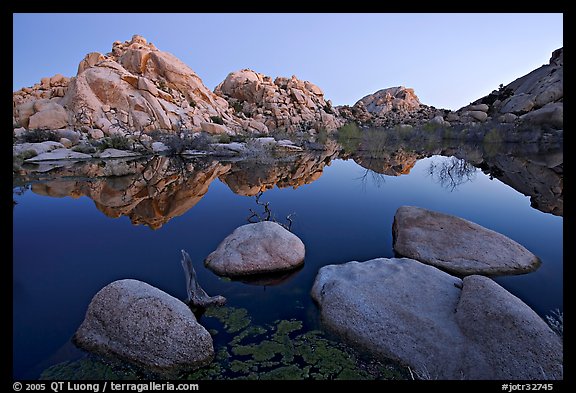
x=77 y=229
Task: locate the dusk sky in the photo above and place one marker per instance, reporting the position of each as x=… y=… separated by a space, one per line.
x=449 y=59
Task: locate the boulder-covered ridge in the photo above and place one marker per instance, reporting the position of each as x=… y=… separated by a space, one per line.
x=536 y=98
x=137 y=87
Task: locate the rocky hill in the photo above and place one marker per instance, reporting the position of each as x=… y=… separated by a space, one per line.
x=536 y=98
x=137 y=87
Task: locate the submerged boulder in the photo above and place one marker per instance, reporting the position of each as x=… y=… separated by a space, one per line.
x=259 y=248
x=138 y=323
x=456 y=245
x=439 y=325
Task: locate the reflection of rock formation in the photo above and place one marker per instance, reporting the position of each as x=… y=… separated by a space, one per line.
x=539 y=176
x=249 y=177
x=153 y=191
x=534 y=169
x=156 y=191
x=391 y=163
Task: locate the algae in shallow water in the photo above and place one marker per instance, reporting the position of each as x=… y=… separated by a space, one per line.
x=246 y=351
x=86 y=368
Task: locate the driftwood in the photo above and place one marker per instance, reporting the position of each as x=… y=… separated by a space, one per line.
x=197 y=297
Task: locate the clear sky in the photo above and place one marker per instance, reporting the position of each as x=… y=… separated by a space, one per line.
x=449 y=59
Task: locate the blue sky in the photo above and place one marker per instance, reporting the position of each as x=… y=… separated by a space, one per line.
x=449 y=59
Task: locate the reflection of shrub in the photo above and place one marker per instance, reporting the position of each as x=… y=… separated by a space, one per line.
x=492 y=141
x=349 y=137
x=217 y=120
x=37 y=136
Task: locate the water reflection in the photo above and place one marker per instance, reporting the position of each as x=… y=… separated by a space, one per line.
x=452 y=172
x=153 y=190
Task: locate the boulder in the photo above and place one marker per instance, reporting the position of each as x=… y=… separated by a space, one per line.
x=550 y=114
x=479 y=107
x=136 y=322
x=456 y=245
x=478 y=115
x=38 y=148
x=59 y=154
x=52 y=117
x=440 y=326
x=96 y=134
x=262 y=247
x=213 y=128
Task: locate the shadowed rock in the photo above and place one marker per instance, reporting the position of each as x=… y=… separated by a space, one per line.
x=457 y=245
x=138 y=323
x=439 y=325
x=262 y=247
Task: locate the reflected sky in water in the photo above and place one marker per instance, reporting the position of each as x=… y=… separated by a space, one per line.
x=66 y=249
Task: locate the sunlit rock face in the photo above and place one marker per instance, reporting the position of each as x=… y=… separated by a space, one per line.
x=134 y=87
x=282 y=103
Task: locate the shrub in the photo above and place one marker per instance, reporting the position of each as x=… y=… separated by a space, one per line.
x=192 y=103
x=237 y=106
x=217 y=120
x=84 y=148
x=37 y=136
x=224 y=138
x=119 y=142
x=178 y=143
x=556 y=322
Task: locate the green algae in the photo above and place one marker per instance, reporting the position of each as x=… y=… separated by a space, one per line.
x=244 y=351
x=282 y=351
x=85 y=368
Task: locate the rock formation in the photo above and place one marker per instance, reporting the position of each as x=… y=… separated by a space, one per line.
x=390 y=107
x=534 y=99
x=138 y=88
x=136 y=322
x=260 y=248
x=439 y=325
x=285 y=103
x=456 y=245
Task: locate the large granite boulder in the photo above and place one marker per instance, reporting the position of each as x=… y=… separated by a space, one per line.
x=138 y=323
x=259 y=248
x=442 y=327
x=457 y=245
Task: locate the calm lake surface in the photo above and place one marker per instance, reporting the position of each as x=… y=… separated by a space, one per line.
x=78 y=229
